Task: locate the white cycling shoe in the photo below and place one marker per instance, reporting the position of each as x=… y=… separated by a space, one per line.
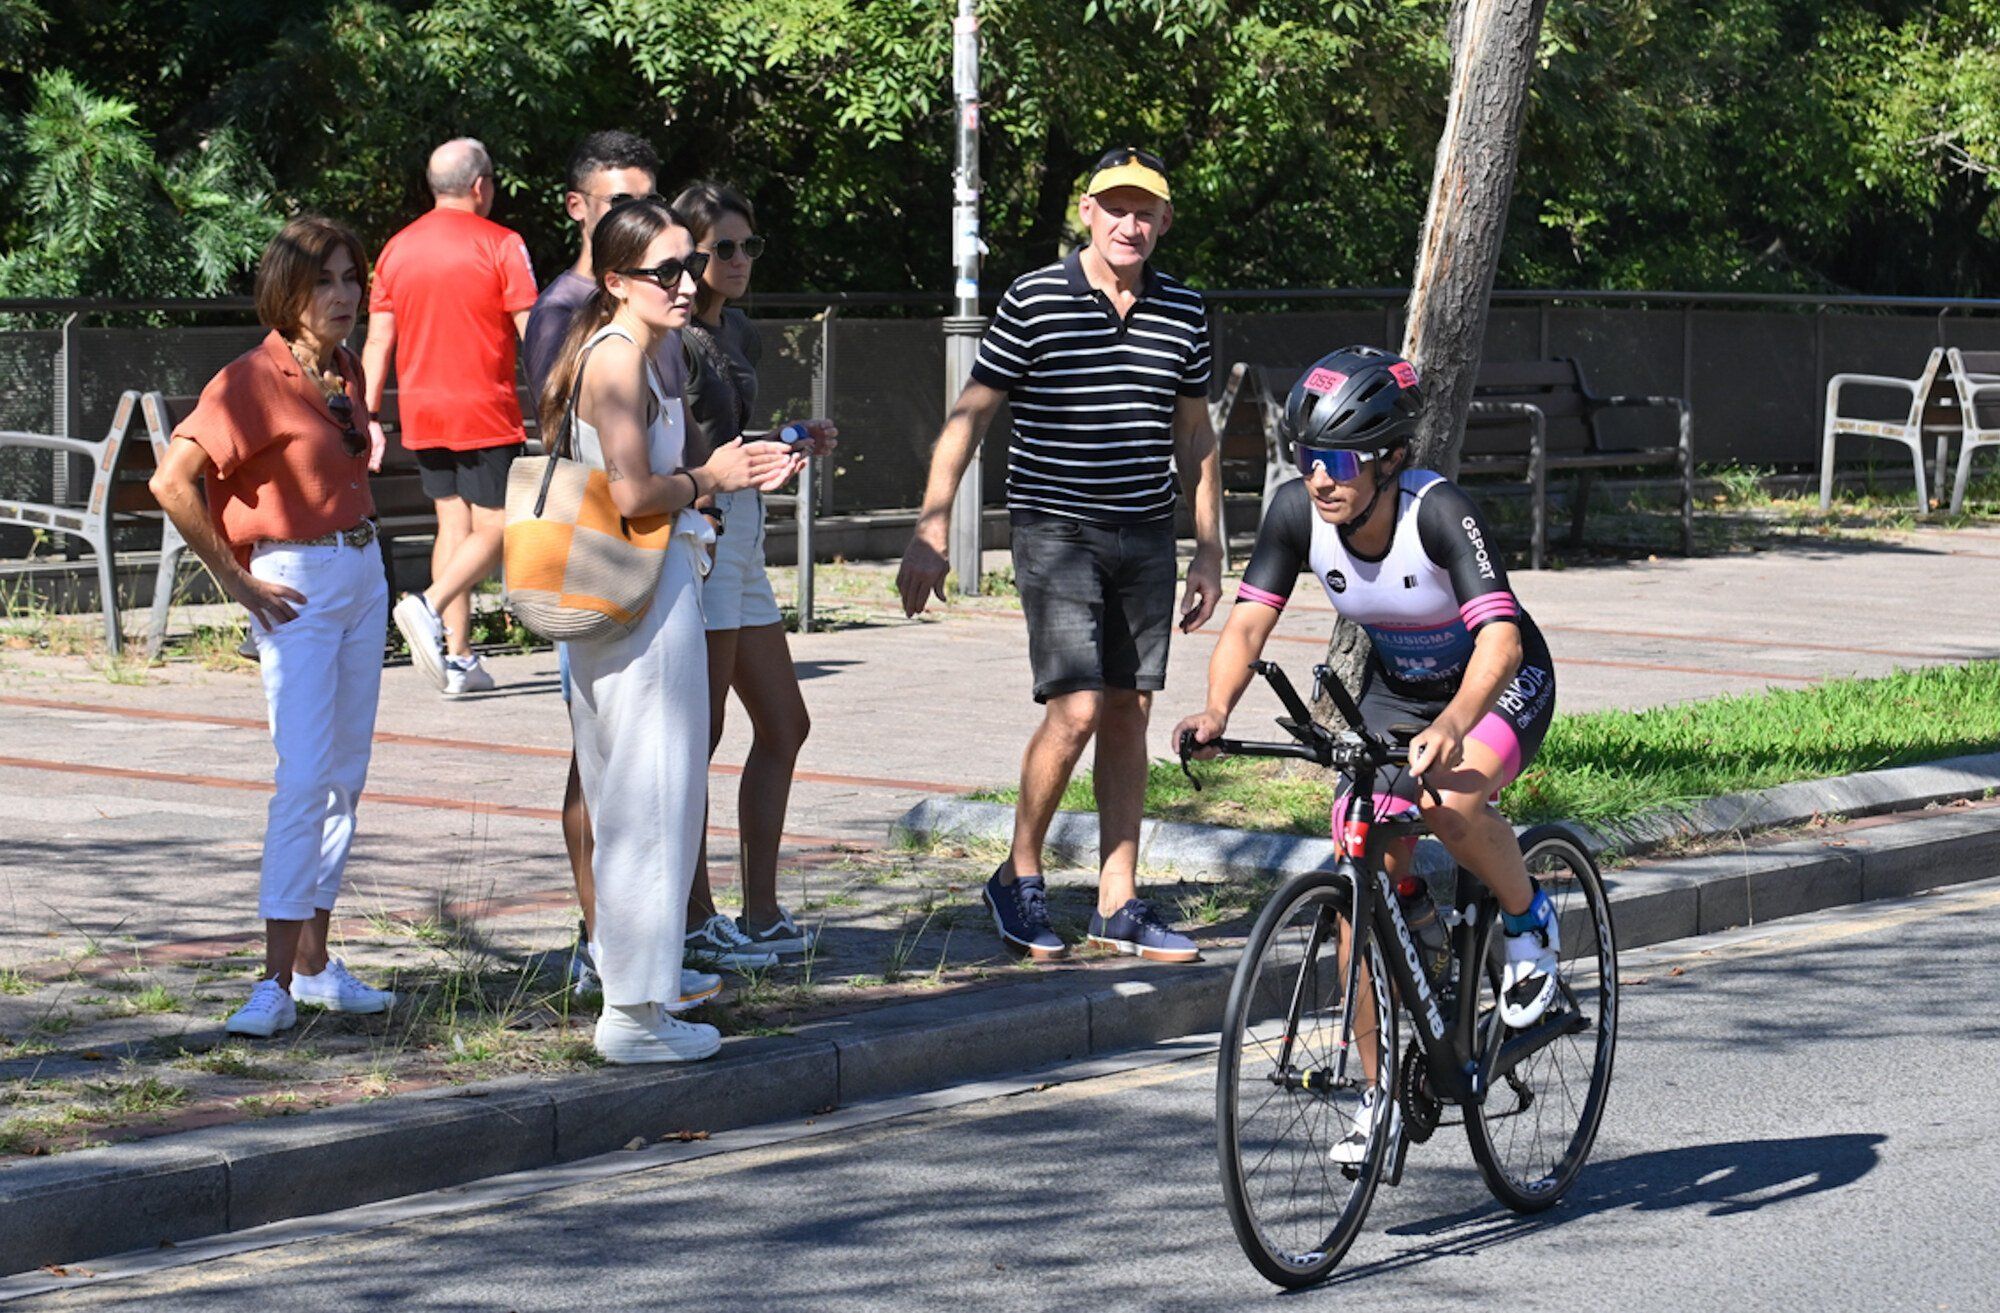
x=1352 y=1148
x=1528 y=985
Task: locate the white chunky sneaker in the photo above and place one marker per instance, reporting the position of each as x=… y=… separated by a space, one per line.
x=336 y=990
x=719 y=943
x=1351 y=1149
x=782 y=936
x=466 y=675
x=629 y=1036
x=1528 y=985
x=269 y=1011
x=423 y=630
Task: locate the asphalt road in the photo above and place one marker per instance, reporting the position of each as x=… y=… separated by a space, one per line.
x=1802 y=1119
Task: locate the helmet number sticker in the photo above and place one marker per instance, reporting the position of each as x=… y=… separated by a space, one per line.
x=1324 y=381
x=1404 y=373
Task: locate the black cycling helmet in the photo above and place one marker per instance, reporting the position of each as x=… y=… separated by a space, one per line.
x=1359 y=398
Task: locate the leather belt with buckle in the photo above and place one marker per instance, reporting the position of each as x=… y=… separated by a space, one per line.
x=358 y=535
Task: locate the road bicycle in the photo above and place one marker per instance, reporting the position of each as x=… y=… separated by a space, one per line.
x=1309 y=1044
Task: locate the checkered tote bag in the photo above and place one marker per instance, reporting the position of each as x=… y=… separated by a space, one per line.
x=575 y=568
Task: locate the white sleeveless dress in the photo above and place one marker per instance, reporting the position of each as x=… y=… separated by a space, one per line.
x=639 y=711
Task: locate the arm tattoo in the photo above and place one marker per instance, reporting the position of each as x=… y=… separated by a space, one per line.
x=611 y=471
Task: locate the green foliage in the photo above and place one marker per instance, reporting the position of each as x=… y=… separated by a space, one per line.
x=1730 y=144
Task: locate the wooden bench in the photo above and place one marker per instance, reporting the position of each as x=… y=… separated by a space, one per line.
x=1534 y=417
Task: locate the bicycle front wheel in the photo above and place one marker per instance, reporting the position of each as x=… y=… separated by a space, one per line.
x=1534 y=1129
x=1300 y=1052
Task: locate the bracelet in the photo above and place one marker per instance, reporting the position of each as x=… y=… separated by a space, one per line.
x=692 y=483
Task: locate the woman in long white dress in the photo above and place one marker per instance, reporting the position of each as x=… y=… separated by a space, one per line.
x=640 y=705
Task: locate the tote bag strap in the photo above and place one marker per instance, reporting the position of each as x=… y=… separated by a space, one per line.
x=564 y=447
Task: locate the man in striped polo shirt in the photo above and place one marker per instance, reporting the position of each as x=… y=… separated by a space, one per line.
x=1105 y=362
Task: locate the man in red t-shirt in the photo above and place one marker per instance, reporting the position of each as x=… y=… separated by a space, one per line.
x=448 y=302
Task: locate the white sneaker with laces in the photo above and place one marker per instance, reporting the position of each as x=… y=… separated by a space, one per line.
x=336 y=990
x=268 y=1011
x=1352 y=1148
x=1528 y=984
x=629 y=1036
x=423 y=630
x=782 y=936
x=720 y=943
x=466 y=675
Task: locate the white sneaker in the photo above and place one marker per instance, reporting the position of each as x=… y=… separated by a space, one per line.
x=336 y=990
x=720 y=943
x=697 y=987
x=1352 y=1148
x=782 y=936
x=269 y=1011
x=1528 y=985
x=423 y=630
x=466 y=675
x=628 y=1036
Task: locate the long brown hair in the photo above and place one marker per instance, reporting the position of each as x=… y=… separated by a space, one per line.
x=618 y=242
x=701 y=205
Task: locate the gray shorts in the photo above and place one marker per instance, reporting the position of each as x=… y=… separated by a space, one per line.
x=1099 y=600
x=478 y=476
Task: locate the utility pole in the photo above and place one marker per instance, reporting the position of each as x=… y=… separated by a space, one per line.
x=963 y=327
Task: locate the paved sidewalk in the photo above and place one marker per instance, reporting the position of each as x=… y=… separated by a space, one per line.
x=130 y=814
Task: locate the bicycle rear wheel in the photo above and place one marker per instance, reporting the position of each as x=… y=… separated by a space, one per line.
x=1533 y=1131
x=1295 y=1062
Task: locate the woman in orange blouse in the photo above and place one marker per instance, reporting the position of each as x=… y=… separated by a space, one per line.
x=287 y=531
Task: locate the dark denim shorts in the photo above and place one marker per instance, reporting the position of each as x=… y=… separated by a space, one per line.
x=1099 y=600
x=478 y=476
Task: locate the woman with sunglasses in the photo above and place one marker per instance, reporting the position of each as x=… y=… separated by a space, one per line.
x=1405 y=554
x=639 y=704
x=287 y=531
x=747 y=650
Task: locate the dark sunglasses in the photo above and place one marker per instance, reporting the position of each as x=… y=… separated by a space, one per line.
x=1111 y=159
x=1341 y=465
x=620 y=197
x=752 y=247
x=668 y=272
x=350 y=438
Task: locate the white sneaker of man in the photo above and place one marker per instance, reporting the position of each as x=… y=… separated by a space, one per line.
x=466 y=674
x=336 y=990
x=719 y=943
x=629 y=1036
x=697 y=987
x=268 y=1011
x=423 y=630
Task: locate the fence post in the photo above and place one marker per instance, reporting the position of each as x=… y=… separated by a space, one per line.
x=68 y=402
x=1687 y=362
x=806 y=508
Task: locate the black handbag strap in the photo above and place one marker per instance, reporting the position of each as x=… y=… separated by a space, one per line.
x=564 y=447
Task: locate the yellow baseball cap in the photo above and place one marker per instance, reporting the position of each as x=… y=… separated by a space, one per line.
x=1128 y=166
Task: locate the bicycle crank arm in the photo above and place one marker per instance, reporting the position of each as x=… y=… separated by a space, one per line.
x=1518 y=1048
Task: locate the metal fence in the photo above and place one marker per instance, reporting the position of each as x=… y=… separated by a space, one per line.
x=1753 y=367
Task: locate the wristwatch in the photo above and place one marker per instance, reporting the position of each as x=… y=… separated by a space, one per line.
x=715 y=517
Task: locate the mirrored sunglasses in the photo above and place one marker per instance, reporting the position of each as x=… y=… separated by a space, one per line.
x=1339 y=464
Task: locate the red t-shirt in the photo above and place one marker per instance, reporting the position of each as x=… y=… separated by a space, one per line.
x=281 y=466
x=454 y=281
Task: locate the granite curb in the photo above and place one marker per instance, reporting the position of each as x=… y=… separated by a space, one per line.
x=1217 y=852
x=148 y=1193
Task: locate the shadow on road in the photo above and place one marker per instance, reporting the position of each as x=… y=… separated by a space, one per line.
x=1721 y=1180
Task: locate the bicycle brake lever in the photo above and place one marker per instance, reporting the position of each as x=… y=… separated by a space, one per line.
x=1187 y=748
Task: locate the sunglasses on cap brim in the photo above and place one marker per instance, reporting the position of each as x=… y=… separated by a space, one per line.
x=1338 y=463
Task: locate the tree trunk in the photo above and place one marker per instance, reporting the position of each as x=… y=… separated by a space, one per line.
x=1493 y=55
x=1493 y=52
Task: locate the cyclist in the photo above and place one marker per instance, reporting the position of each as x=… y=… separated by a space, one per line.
x=1405 y=553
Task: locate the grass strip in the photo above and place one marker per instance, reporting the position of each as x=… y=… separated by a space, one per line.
x=1609 y=766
